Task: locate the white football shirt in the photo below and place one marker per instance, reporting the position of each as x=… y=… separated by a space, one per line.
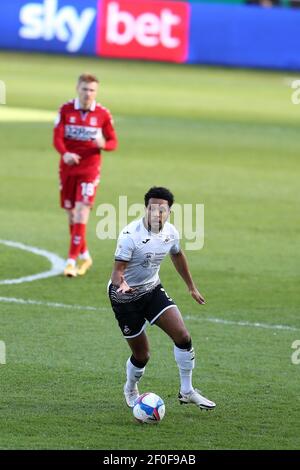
x=145 y=251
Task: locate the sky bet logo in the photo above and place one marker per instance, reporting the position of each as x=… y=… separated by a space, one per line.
x=143 y=29
x=48 y=21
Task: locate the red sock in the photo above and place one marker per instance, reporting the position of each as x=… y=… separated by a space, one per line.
x=78 y=234
x=83 y=246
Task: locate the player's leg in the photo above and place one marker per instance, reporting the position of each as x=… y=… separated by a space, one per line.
x=132 y=325
x=85 y=196
x=85 y=260
x=166 y=315
x=70 y=268
x=84 y=193
x=70 y=215
x=81 y=216
x=67 y=200
x=80 y=219
x=172 y=323
x=135 y=366
x=83 y=246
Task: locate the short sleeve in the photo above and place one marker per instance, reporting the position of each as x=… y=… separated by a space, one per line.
x=108 y=117
x=175 y=248
x=59 y=117
x=124 y=248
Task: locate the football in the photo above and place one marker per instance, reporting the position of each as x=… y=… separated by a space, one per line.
x=149 y=408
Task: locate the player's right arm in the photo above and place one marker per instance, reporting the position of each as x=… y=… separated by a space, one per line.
x=59 y=143
x=118 y=279
x=123 y=255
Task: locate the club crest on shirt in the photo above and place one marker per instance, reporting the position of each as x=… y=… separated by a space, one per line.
x=93 y=121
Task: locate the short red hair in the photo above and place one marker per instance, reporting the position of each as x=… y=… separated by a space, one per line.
x=88 y=78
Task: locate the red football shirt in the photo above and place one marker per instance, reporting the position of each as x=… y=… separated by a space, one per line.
x=75 y=131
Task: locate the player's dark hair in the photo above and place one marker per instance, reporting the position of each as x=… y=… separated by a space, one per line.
x=159 y=192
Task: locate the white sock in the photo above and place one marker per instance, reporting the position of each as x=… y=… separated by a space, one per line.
x=186 y=363
x=133 y=375
x=71 y=261
x=86 y=255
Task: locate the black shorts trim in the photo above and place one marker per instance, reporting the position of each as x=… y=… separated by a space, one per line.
x=162 y=311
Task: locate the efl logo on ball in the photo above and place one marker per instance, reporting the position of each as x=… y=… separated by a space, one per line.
x=155 y=30
x=149 y=408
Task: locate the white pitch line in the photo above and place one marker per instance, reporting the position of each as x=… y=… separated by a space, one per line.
x=243 y=323
x=186 y=317
x=57 y=263
x=50 y=304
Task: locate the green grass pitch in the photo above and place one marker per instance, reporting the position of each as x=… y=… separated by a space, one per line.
x=226 y=138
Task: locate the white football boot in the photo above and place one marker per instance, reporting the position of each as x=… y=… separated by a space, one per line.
x=197 y=399
x=131 y=396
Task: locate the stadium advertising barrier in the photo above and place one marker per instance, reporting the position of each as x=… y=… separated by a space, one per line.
x=235 y=35
x=246 y=36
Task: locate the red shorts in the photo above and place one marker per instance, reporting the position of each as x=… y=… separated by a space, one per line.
x=77 y=188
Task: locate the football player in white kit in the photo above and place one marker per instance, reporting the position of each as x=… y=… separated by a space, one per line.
x=137 y=295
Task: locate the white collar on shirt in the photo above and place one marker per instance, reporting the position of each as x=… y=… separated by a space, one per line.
x=77 y=105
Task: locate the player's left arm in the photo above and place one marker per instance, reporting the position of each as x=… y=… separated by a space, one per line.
x=180 y=262
x=108 y=140
x=109 y=133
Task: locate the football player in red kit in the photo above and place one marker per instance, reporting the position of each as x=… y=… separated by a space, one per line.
x=83 y=129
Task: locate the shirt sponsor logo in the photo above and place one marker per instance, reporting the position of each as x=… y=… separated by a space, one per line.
x=147 y=262
x=84 y=133
x=145 y=29
x=45 y=20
